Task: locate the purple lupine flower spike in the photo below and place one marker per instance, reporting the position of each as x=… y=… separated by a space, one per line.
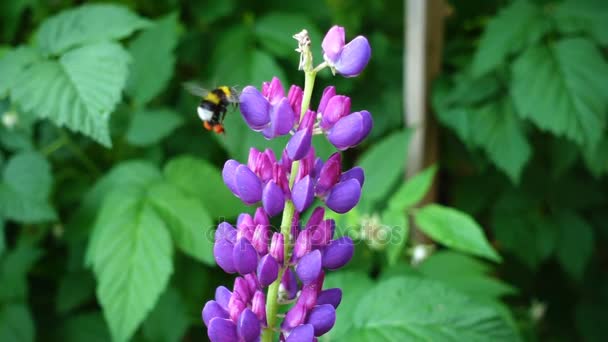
x=348 y=60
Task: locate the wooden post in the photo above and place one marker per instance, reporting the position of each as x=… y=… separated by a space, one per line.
x=424 y=42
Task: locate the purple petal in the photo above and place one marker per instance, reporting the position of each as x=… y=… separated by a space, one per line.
x=260 y=239
x=333 y=43
x=248 y=185
x=258 y=306
x=322 y=318
x=289 y=284
x=295 y=316
x=212 y=310
x=309 y=267
x=277 y=247
x=241 y=289
x=302 y=194
x=328 y=93
x=225 y=231
x=322 y=233
x=295 y=100
x=281 y=119
x=255 y=108
x=248 y=326
x=308 y=296
x=222 y=251
x=303 y=244
x=235 y=307
x=316 y=217
x=350 y=130
x=338 y=253
x=222 y=330
x=252 y=282
x=273 y=198
x=329 y=174
x=332 y=297
x=299 y=145
x=354 y=173
x=245 y=257
x=273 y=91
x=301 y=333
x=260 y=217
x=344 y=196
x=268 y=270
x=245 y=220
x=222 y=296
x=337 y=107
x=228 y=174
x=354 y=57
x=308 y=120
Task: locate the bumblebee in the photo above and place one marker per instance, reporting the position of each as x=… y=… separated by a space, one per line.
x=214 y=104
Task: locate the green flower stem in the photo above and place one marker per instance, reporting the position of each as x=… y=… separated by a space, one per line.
x=272 y=304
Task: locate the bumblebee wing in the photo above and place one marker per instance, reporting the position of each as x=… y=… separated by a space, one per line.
x=195 y=89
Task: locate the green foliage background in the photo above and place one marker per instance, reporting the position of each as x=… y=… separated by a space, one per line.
x=110 y=189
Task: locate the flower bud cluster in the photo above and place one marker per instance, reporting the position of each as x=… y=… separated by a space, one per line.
x=288 y=265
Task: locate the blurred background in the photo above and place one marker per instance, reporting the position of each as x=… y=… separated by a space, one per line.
x=513 y=100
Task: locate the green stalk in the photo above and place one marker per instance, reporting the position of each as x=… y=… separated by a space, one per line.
x=272 y=304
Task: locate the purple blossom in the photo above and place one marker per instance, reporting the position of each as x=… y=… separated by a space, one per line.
x=291 y=260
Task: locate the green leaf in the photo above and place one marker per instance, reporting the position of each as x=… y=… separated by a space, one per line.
x=75 y=289
x=379 y=183
x=149 y=127
x=14 y=268
x=466 y=274
x=153 y=59
x=87 y=24
x=169 y=319
x=80 y=90
x=454 y=229
x=16 y=323
x=190 y=225
x=354 y=285
x=131 y=254
x=85 y=327
x=574 y=244
x=2 y=237
x=517 y=24
x=400 y=228
x=426 y=311
x=25 y=188
x=590 y=16
x=499 y=132
x=413 y=190
x=596 y=157
x=204 y=181
x=12 y=64
x=562 y=89
x=275 y=32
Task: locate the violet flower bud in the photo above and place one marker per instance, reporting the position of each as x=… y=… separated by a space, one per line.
x=348 y=60
x=212 y=310
x=260 y=217
x=322 y=234
x=242 y=182
x=235 y=307
x=222 y=330
x=332 y=297
x=241 y=290
x=303 y=244
x=258 y=306
x=328 y=93
x=294 y=96
x=289 y=285
x=354 y=173
x=245 y=257
x=309 y=267
x=338 y=253
x=350 y=130
x=252 y=282
x=315 y=218
x=255 y=108
x=295 y=316
x=260 y=239
x=222 y=252
x=277 y=247
x=333 y=43
x=222 y=296
x=308 y=296
x=281 y=119
x=344 y=196
x=301 y=333
x=299 y=144
x=337 y=107
x=248 y=326
x=225 y=231
x=302 y=194
x=273 y=90
x=322 y=318
x=245 y=221
x=268 y=270
x=273 y=198
x=329 y=174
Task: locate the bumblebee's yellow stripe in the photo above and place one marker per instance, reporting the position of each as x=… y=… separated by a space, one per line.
x=213 y=98
x=226 y=91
